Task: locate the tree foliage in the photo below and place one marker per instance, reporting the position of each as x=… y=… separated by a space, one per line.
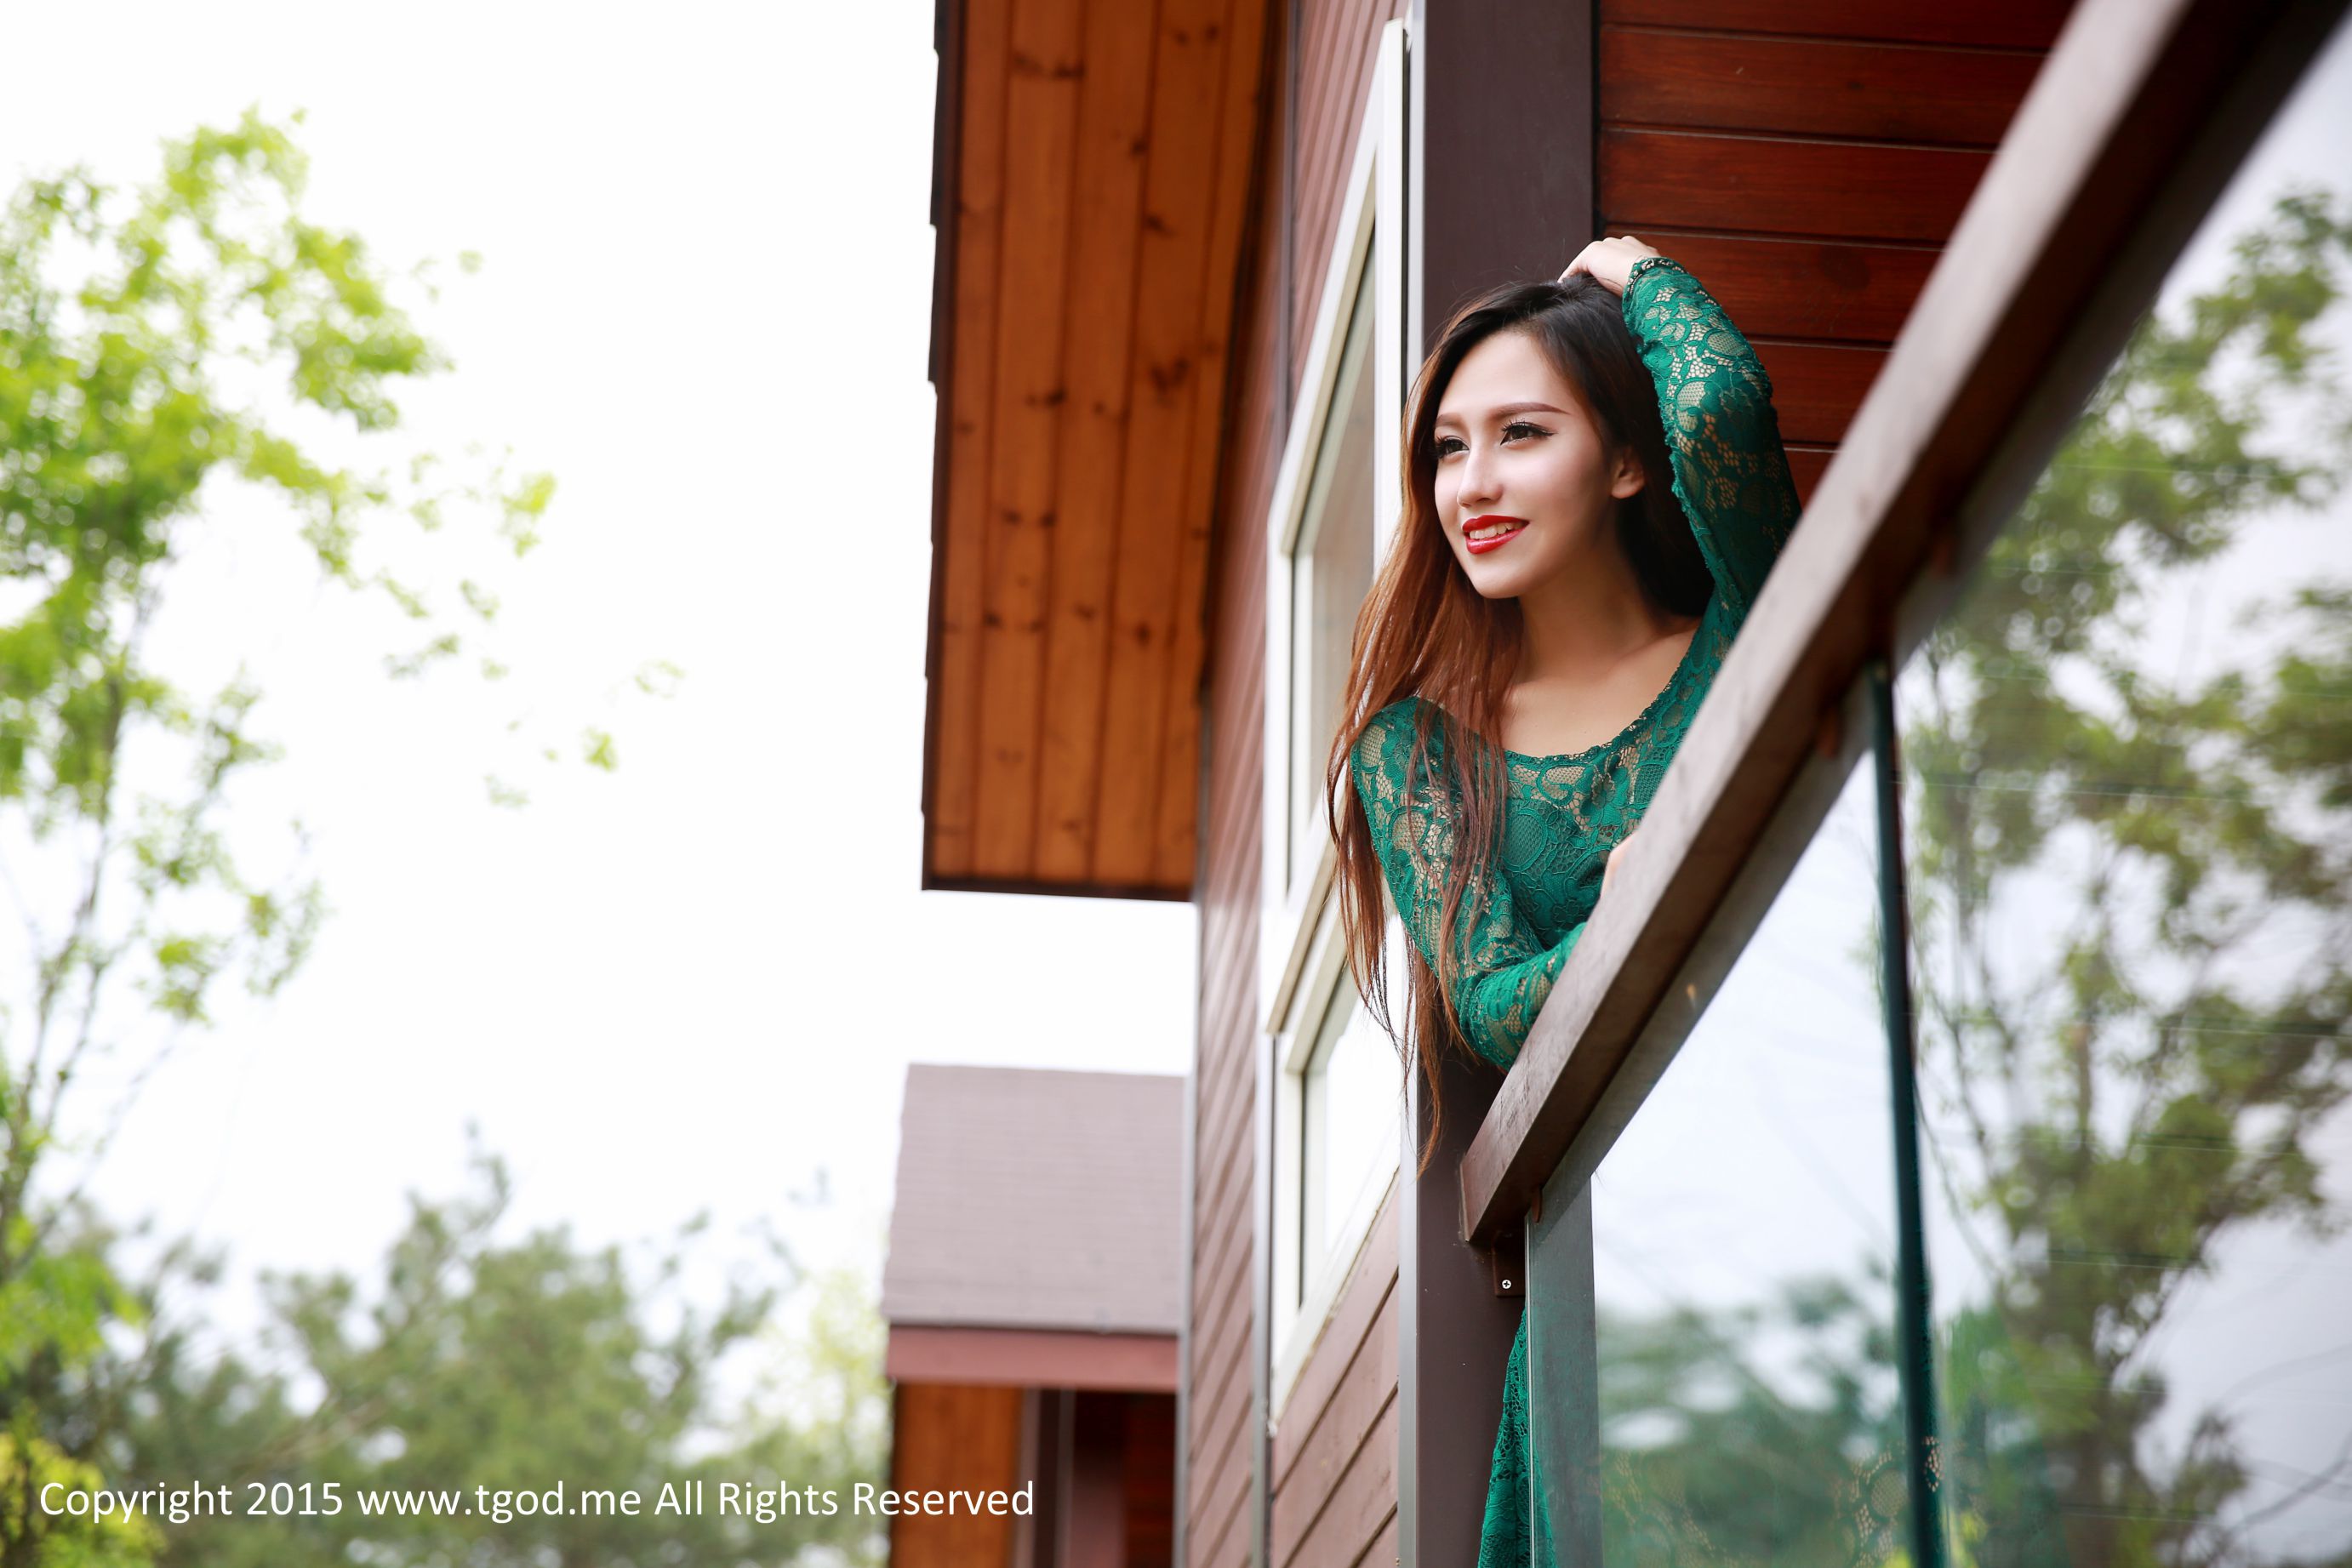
x=2130 y=1088
x=190 y=356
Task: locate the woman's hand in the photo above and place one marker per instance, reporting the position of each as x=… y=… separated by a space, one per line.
x=1610 y=261
x=1609 y=867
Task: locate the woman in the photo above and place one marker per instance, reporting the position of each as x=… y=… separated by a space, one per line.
x=1537 y=643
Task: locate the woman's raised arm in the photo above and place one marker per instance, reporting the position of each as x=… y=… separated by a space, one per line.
x=1715 y=401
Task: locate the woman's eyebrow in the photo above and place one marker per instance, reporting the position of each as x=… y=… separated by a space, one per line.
x=1509 y=408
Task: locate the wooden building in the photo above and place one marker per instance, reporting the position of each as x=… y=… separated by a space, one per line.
x=1188 y=255
x=1032 y=1294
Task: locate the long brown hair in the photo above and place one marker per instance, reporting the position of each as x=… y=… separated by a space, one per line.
x=1424 y=631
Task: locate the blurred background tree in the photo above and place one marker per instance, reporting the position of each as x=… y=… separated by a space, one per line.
x=2121 y=1095
x=162 y=350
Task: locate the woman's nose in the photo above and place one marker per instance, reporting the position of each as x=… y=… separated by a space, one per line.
x=1477 y=476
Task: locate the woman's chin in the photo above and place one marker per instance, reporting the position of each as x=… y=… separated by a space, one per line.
x=1498 y=581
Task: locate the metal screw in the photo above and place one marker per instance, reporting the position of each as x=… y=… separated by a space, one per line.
x=1506 y=1284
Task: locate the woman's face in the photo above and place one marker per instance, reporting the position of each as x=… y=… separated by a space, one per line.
x=1525 y=483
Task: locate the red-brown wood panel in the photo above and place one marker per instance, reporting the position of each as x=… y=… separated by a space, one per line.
x=1334 y=1432
x=1361 y=1497
x=1806 y=464
x=1844 y=289
x=1327 y=154
x=1816 y=387
x=1770 y=185
x=948 y=1437
x=1806 y=158
x=1349 y=1355
x=1811 y=86
x=1148 y=1480
x=2012 y=24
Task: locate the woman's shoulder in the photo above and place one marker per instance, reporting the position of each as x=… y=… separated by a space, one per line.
x=1387 y=740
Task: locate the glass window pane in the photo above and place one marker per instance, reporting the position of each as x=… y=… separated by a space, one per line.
x=1333 y=573
x=1354 y=1093
x=2129 y=798
x=1743 y=1241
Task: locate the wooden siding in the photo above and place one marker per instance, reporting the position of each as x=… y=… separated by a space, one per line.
x=1334 y=1444
x=948 y=1436
x=1095 y=168
x=1330 y=65
x=1806 y=158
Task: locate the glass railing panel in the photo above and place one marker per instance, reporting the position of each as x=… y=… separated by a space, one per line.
x=2130 y=803
x=1724 y=1390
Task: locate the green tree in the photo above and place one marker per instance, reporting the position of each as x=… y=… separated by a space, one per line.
x=516 y=1363
x=2121 y=1095
x=161 y=350
x=1710 y=1456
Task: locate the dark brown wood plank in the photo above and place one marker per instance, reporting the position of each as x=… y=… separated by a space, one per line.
x=1106 y=213
x=1219 y=1480
x=1999 y=24
x=1767 y=184
x=1321 y=1455
x=1806 y=464
x=1178 y=192
x=1361 y=1315
x=1811 y=86
x=2143 y=112
x=1842 y=290
x=1040 y=106
x=1361 y=1496
x=1816 y=387
x=1384 y=1551
x=979 y=218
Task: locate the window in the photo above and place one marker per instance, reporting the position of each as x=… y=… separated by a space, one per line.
x=1337 y=1082
x=1331 y=572
x=1339 y=1101
x=1348 y=1136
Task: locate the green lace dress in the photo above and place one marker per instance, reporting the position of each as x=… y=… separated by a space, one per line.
x=1565 y=813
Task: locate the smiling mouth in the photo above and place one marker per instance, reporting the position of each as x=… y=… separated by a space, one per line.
x=1483 y=534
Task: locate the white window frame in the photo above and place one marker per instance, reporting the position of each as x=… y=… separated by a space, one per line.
x=1302 y=960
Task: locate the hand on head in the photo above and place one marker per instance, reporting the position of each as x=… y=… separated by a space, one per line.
x=1610 y=261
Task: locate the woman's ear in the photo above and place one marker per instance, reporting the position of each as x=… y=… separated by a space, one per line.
x=1628 y=477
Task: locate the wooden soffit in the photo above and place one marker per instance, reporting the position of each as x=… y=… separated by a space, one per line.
x=1091 y=181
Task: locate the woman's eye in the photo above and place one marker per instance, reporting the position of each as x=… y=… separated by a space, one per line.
x=1448 y=445
x=1520 y=426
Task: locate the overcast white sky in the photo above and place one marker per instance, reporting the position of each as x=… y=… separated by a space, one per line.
x=705 y=307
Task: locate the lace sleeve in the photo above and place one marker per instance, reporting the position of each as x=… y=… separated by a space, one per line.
x=1502 y=973
x=1731 y=474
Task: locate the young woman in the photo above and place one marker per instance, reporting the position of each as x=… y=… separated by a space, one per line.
x=1537 y=643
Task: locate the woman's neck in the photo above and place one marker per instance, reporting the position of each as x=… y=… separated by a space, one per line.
x=1587 y=619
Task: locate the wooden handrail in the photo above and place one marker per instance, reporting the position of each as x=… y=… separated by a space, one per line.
x=2143 y=111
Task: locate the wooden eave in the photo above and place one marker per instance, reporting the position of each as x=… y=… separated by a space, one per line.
x=1090 y=190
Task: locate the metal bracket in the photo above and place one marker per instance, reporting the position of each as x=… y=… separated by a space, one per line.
x=1508 y=1258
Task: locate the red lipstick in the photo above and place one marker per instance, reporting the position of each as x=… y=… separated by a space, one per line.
x=1513 y=527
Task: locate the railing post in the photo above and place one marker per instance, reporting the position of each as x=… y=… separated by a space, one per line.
x=1454 y=1337
x=1914 y=1319
x=1483 y=74
x=1564 y=1373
